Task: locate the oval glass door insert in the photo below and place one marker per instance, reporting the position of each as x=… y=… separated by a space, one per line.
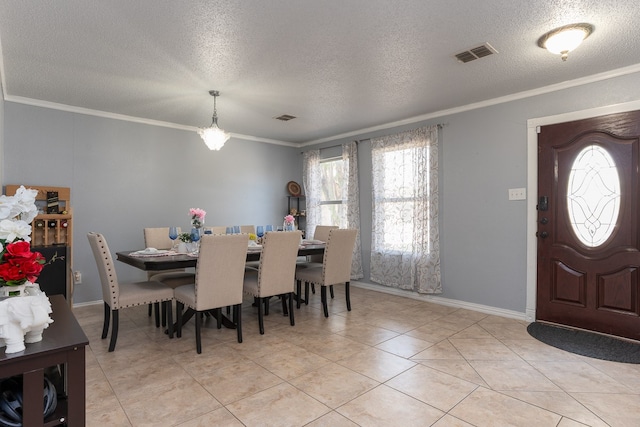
x=593 y=196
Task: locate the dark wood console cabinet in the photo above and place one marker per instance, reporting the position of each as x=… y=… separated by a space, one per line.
x=63 y=343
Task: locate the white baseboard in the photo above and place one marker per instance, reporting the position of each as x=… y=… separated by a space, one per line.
x=85 y=304
x=414 y=295
x=442 y=301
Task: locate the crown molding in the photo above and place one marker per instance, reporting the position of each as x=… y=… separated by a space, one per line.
x=133 y=119
x=437 y=114
x=490 y=102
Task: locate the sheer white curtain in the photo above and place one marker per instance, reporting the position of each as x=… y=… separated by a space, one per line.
x=312 y=181
x=405 y=240
x=350 y=162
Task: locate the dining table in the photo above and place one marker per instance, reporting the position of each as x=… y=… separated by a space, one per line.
x=172 y=260
x=169 y=260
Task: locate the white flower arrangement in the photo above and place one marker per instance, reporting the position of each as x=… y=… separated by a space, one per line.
x=16 y=214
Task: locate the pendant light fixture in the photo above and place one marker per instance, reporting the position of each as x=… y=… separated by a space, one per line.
x=563 y=40
x=213 y=136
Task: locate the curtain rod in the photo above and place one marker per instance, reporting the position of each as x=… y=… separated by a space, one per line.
x=439 y=125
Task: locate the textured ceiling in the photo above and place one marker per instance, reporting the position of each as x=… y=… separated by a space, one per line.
x=339 y=66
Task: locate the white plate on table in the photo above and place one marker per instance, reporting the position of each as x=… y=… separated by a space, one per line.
x=151 y=252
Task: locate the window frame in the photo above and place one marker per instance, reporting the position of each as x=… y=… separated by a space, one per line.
x=343 y=201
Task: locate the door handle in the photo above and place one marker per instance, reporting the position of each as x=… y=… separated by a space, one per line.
x=543 y=203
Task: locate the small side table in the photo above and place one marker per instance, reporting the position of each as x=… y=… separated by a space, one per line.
x=63 y=342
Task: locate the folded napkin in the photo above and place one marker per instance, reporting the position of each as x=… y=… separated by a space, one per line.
x=152 y=252
x=312 y=242
x=253 y=248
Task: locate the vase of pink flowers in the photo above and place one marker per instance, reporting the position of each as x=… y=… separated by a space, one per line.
x=289 y=223
x=197 y=217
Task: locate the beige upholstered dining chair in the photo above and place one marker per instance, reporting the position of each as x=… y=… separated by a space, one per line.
x=218 y=281
x=118 y=295
x=275 y=274
x=248 y=229
x=335 y=269
x=217 y=229
x=321 y=233
x=158 y=237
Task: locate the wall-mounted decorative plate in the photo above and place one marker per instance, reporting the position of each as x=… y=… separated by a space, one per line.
x=294 y=188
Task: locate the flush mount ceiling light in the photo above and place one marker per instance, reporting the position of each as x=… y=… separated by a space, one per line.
x=563 y=40
x=213 y=136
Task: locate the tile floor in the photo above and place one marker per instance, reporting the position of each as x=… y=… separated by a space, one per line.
x=392 y=361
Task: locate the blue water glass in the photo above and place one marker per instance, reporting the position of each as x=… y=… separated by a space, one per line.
x=195 y=234
x=236 y=229
x=208 y=231
x=260 y=231
x=269 y=227
x=229 y=230
x=173 y=233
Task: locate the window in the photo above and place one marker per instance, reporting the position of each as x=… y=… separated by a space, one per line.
x=331 y=186
x=395 y=197
x=404 y=236
x=333 y=192
x=593 y=196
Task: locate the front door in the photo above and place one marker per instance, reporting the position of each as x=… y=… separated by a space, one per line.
x=588 y=224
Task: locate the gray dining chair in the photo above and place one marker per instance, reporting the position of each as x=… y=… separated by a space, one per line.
x=275 y=275
x=218 y=281
x=335 y=269
x=117 y=295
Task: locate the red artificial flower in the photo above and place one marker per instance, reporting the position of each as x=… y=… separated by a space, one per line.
x=10 y=272
x=19 y=264
x=19 y=249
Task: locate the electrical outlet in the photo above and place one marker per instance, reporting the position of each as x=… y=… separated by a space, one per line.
x=77 y=277
x=517 y=193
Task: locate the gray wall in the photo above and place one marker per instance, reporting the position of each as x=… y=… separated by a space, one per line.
x=483 y=153
x=1 y=137
x=126 y=176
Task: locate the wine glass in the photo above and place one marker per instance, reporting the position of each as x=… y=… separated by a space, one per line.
x=173 y=235
x=195 y=234
x=269 y=227
x=229 y=230
x=260 y=231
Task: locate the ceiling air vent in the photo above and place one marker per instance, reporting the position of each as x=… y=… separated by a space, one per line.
x=476 y=53
x=285 y=117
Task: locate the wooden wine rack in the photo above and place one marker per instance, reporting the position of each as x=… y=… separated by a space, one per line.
x=49 y=228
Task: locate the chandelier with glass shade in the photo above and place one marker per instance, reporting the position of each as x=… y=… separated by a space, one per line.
x=213 y=136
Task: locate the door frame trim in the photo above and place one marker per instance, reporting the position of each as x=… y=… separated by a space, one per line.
x=532 y=186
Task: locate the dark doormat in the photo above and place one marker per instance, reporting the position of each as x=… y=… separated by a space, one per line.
x=586 y=343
